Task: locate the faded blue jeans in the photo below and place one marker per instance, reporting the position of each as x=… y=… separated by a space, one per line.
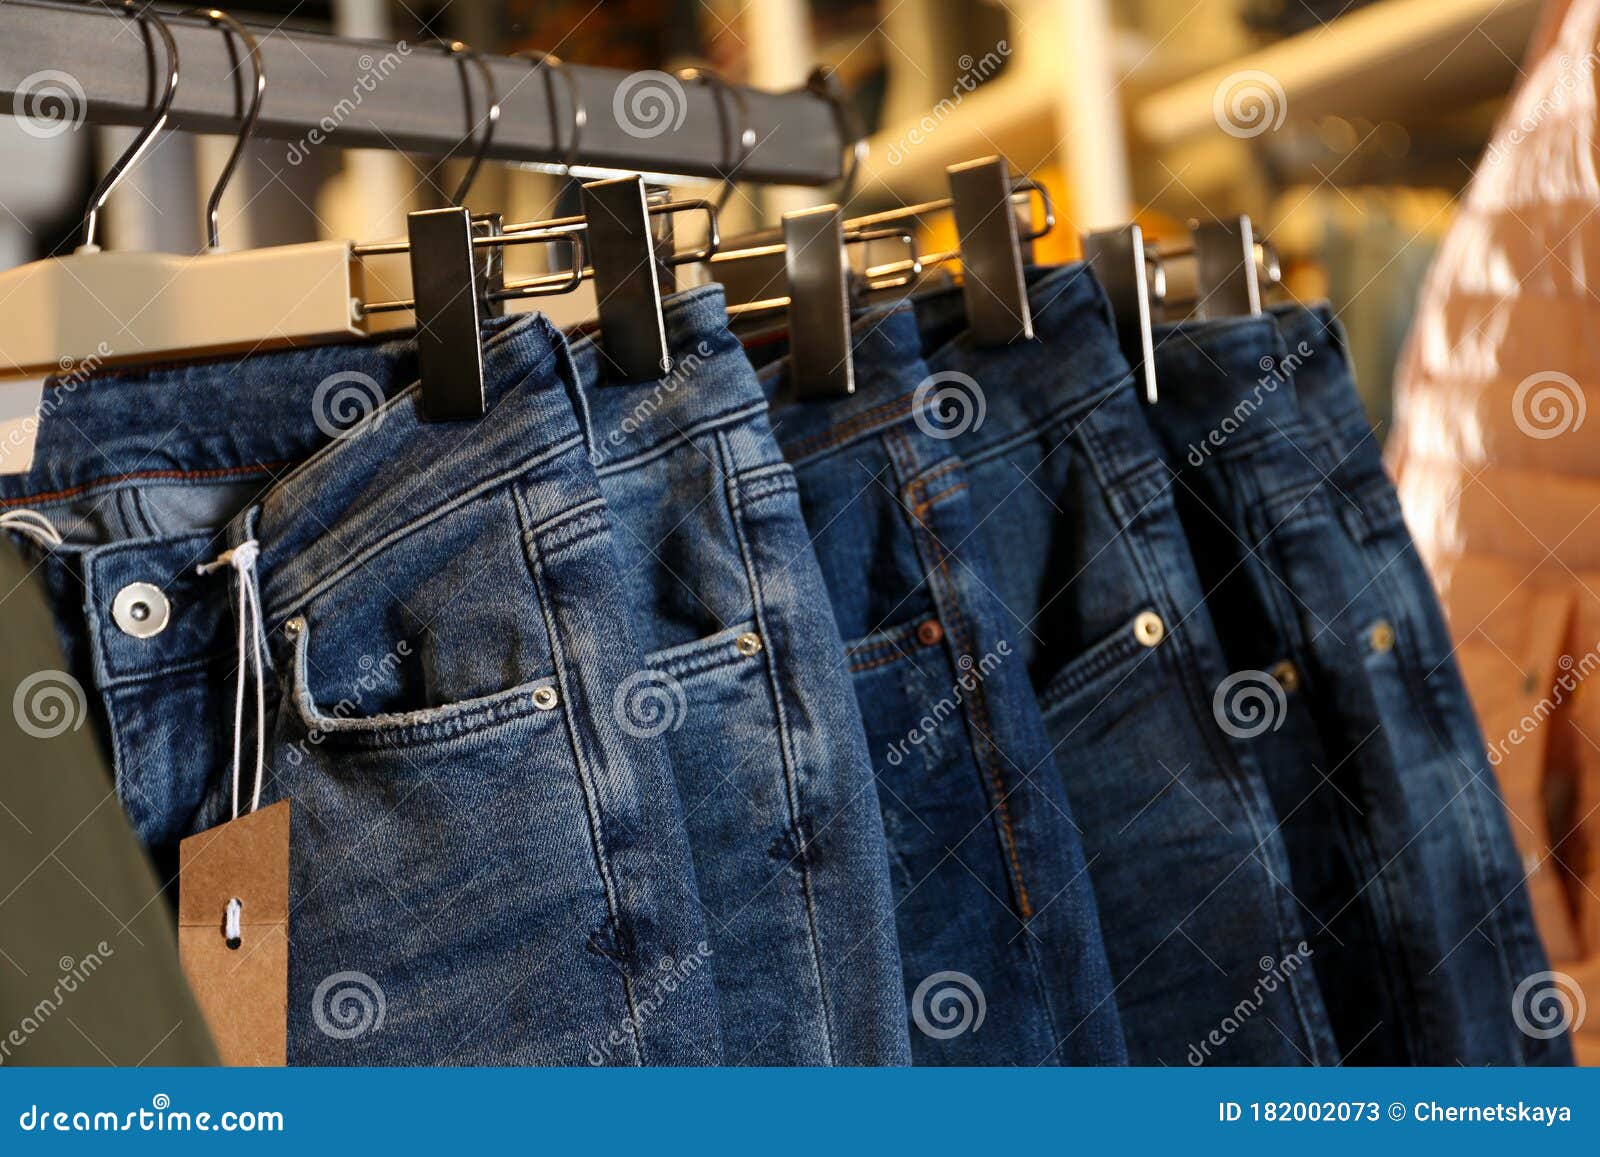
x=485 y=866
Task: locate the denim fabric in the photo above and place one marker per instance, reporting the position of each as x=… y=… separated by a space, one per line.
x=480 y=854
x=745 y=679
x=1000 y=943
x=1394 y=840
x=1444 y=731
x=1205 y=940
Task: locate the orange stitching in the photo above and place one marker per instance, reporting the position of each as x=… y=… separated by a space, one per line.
x=837 y=435
x=69 y=492
x=980 y=706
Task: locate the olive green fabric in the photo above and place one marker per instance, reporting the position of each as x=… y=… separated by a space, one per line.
x=89 y=970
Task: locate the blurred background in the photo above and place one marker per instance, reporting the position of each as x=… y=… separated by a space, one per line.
x=1346 y=128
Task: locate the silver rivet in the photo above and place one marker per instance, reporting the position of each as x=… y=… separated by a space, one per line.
x=141 y=610
x=294 y=626
x=1148 y=628
x=748 y=643
x=544 y=698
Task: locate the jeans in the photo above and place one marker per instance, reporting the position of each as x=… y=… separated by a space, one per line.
x=745 y=680
x=1444 y=733
x=1000 y=943
x=1206 y=941
x=1395 y=841
x=485 y=866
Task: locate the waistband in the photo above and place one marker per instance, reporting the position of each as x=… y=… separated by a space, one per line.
x=889 y=371
x=1315 y=340
x=1225 y=388
x=712 y=386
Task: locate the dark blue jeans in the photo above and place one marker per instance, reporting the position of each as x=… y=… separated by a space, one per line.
x=745 y=679
x=1396 y=842
x=1000 y=944
x=1445 y=734
x=485 y=866
x=1205 y=939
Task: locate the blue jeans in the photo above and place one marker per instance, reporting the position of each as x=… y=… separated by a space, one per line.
x=1396 y=843
x=1000 y=943
x=485 y=866
x=1444 y=736
x=745 y=680
x=1067 y=486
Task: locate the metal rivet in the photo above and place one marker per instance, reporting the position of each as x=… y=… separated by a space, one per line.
x=1148 y=628
x=294 y=626
x=141 y=610
x=1287 y=675
x=930 y=633
x=544 y=698
x=1381 y=636
x=748 y=643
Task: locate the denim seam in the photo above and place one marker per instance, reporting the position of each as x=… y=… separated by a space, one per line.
x=677 y=438
x=791 y=763
x=314 y=588
x=1251 y=795
x=586 y=773
x=1109 y=654
x=885 y=647
x=115 y=480
x=1080 y=407
x=713 y=653
x=880 y=417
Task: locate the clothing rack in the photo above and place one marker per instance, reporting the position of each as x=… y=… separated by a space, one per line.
x=336 y=92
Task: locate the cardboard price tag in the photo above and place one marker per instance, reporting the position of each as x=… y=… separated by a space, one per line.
x=243 y=991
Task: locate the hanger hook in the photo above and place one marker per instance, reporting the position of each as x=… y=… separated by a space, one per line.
x=824 y=84
x=247 y=123
x=465 y=51
x=580 y=113
x=746 y=139
x=114 y=176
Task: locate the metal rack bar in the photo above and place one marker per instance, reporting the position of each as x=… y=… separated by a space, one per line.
x=334 y=92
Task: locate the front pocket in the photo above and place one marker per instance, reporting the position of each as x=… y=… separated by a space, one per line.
x=346 y=718
x=1099 y=671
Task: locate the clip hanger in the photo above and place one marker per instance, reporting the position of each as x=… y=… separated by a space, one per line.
x=821 y=361
x=1121 y=264
x=992 y=282
x=622 y=250
x=1227 y=283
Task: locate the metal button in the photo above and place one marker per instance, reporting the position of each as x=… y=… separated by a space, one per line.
x=1382 y=636
x=930 y=632
x=748 y=643
x=1287 y=675
x=141 y=610
x=544 y=698
x=1148 y=628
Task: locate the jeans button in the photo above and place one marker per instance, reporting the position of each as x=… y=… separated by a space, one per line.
x=141 y=610
x=1148 y=628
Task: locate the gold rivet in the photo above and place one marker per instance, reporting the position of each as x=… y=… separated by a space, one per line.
x=1381 y=637
x=294 y=626
x=1148 y=628
x=930 y=632
x=748 y=643
x=1287 y=675
x=544 y=698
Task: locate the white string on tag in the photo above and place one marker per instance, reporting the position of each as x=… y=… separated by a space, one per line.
x=242 y=559
x=33 y=525
x=232 y=917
